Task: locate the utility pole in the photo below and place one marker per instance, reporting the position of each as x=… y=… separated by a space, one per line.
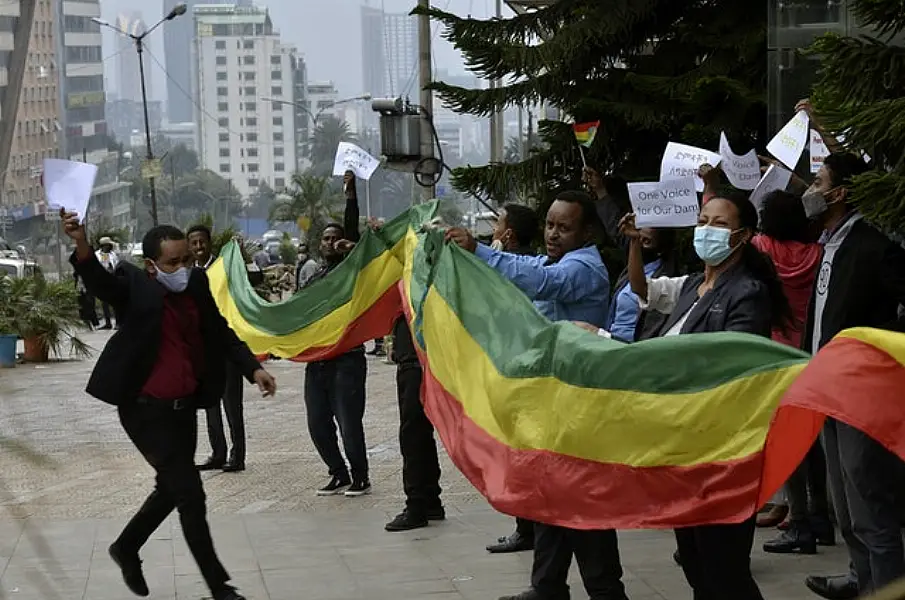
x=497 y=117
x=427 y=96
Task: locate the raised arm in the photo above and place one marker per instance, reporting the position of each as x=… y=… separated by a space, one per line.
x=352 y=214
x=102 y=284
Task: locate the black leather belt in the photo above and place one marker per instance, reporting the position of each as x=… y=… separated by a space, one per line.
x=177 y=404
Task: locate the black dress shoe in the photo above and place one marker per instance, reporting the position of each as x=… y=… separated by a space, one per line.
x=512 y=543
x=233 y=466
x=212 y=464
x=527 y=595
x=130 y=565
x=796 y=540
x=406 y=521
x=228 y=593
x=840 y=587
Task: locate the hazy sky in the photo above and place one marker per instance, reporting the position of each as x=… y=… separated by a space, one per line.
x=326 y=32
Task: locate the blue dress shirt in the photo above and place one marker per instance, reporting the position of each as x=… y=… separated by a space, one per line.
x=625 y=309
x=576 y=288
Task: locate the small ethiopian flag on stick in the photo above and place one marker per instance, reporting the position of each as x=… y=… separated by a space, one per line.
x=584 y=135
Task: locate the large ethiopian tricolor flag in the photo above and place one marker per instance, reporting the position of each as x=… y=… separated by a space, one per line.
x=556 y=425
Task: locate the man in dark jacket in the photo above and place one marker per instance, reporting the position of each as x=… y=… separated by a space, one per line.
x=199 y=238
x=167 y=360
x=861 y=283
x=335 y=388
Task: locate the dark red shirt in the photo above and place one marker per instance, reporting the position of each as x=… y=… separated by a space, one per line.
x=180 y=359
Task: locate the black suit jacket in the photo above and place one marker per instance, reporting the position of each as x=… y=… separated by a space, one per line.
x=738 y=302
x=126 y=362
x=865 y=287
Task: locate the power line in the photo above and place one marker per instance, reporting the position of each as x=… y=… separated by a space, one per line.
x=414 y=75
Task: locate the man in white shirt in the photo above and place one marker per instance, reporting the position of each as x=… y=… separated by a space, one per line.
x=109 y=260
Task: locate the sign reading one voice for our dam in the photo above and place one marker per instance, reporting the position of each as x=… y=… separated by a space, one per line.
x=681 y=160
x=669 y=203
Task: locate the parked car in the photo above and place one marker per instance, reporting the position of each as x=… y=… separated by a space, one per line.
x=13 y=265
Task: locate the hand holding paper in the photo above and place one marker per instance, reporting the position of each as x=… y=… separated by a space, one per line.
x=68 y=185
x=350 y=157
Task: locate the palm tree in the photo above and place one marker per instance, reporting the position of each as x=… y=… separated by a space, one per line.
x=308 y=200
x=329 y=133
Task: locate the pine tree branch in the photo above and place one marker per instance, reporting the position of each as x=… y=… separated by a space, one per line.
x=887 y=16
x=878 y=69
x=870 y=127
x=879 y=196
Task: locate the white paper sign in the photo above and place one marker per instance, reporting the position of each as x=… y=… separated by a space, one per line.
x=791 y=140
x=743 y=172
x=68 y=184
x=670 y=203
x=819 y=151
x=350 y=157
x=776 y=178
x=681 y=160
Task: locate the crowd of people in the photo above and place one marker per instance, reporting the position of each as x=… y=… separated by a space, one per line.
x=800 y=269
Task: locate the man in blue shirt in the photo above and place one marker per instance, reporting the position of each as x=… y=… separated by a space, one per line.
x=570 y=283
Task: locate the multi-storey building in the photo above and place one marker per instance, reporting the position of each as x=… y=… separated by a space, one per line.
x=36 y=119
x=177 y=37
x=389 y=45
x=239 y=60
x=128 y=75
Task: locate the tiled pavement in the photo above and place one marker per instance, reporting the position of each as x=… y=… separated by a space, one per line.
x=278 y=540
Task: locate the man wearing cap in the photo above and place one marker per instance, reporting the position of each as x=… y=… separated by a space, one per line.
x=109 y=260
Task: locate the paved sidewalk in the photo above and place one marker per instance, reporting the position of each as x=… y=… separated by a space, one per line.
x=344 y=555
x=279 y=540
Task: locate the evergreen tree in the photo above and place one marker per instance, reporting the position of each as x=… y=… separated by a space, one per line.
x=860 y=93
x=650 y=71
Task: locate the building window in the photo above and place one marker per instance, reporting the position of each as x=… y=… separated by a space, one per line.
x=223 y=122
x=279 y=167
x=279 y=183
x=249 y=59
x=277 y=136
x=252 y=167
x=224 y=137
x=276 y=75
x=276 y=91
x=220 y=44
x=248 y=75
x=224 y=167
x=249 y=44
x=251 y=137
x=278 y=151
x=278 y=121
x=251 y=106
x=275 y=61
x=223 y=91
x=251 y=91
x=224 y=152
x=251 y=121
x=252 y=183
x=251 y=152
x=221 y=61
x=223 y=106
x=221 y=75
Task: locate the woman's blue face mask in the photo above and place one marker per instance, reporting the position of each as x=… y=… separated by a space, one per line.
x=712 y=244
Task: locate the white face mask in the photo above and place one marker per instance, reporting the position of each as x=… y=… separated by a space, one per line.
x=174 y=282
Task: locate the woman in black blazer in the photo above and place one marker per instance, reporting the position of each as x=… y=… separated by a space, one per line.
x=740 y=291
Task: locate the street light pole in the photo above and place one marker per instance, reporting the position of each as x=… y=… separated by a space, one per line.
x=139 y=47
x=178 y=10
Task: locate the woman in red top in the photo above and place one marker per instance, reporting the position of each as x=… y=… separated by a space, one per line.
x=788 y=239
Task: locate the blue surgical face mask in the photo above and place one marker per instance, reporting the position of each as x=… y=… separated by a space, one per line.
x=712 y=244
x=174 y=282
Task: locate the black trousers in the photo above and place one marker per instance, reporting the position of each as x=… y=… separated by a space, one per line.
x=108 y=313
x=717 y=561
x=335 y=394
x=232 y=406
x=167 y=439
x=810 y=476
x=597 y=554
x=420 y=463
x=524 y=527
